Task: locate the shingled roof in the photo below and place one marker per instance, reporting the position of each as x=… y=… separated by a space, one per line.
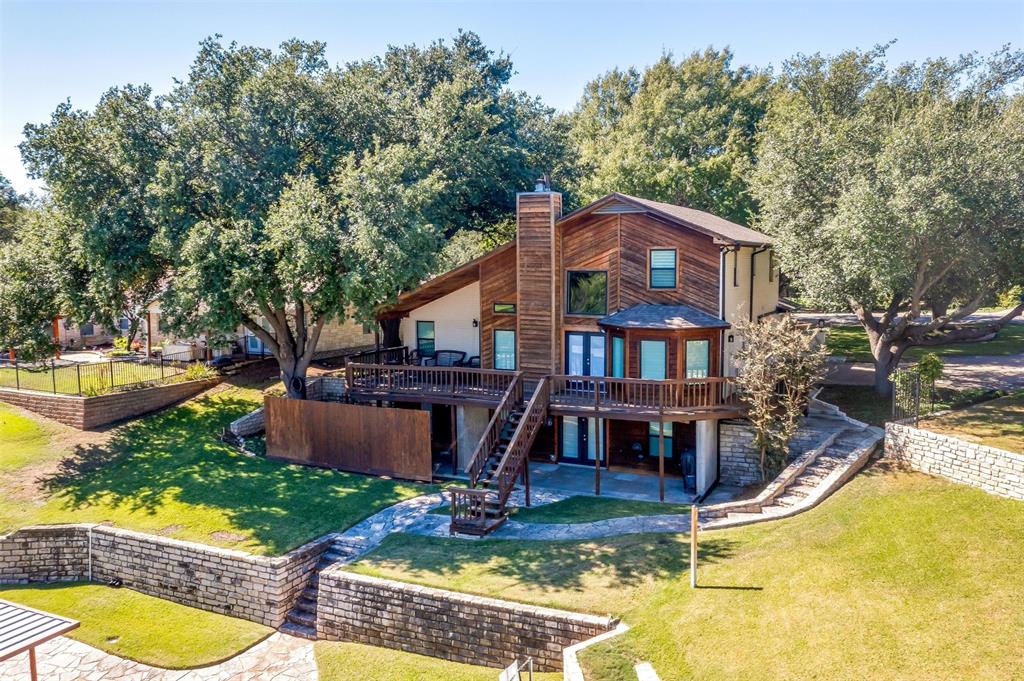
x=723 y=230
x=652 y=316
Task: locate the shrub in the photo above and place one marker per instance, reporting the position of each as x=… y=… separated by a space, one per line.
x=1011 y=297
x=121 y=343
x=197 y=371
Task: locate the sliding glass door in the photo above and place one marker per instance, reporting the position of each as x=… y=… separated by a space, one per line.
x=583 y=438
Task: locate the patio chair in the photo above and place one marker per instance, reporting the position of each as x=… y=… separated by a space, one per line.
x=472 y=362
x=420 y=358
x=449 y=358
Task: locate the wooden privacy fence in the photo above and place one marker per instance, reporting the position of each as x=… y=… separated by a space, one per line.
x=350 y=437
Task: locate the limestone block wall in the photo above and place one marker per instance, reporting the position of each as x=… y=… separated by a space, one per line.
x=445 y=624
x=738 y=462
x=85 y=413
x=257 y=588
x=994 y=470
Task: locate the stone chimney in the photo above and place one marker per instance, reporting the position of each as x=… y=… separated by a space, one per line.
x=539 y=285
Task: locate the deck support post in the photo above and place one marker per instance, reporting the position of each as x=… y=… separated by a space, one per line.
x=32 y=671
x=526 y=478
x=661 y=458
x=597 y=473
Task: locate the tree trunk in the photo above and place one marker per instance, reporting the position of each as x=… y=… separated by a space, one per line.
x=293 y=374
x=390 y=328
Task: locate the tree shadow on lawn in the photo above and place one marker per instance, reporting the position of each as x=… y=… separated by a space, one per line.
x=176 y=457
x=624 y=561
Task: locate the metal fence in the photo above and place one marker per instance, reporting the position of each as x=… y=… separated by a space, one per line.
x=93 y=378
x=906 y=395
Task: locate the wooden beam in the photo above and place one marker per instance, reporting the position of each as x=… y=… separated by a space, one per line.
x=597 y=469
x=661 y=460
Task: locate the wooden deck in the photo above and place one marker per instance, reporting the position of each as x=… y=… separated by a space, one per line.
x=619 y=398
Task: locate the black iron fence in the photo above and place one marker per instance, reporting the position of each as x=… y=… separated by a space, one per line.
x=92 y=378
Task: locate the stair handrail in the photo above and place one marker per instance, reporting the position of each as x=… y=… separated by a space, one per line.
x=518 y=449
x=512 y=398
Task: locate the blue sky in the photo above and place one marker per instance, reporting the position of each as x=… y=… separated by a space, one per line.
x=52 y=51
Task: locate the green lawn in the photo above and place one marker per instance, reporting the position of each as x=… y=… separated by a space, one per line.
x=90 y=379
x=997 y=423
x=168 y=473
x=585 y=510
x=897 y=576
x=139 y=627
x=852 y=343
x=342 y=661
x=862 y=403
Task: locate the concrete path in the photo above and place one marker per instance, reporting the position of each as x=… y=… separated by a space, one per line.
x=849 y=319
x=278 y=658
x=1004 y=372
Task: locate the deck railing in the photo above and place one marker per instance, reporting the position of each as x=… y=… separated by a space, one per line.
x=387 y=381
x=398 y=354
x=511 y=400
x=522 y=440
x=635 y=394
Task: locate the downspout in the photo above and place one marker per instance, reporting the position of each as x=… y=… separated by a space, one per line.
x=753 y=260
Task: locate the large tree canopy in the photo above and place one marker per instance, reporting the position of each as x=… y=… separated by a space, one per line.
x=98 y=167
x=896 y=190
x=272 y=190
x=681 y=132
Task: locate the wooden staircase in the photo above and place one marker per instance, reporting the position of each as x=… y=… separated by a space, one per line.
x=501 y=457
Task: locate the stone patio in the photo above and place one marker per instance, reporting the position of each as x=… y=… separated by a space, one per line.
x=634 y=485
x=278 y=658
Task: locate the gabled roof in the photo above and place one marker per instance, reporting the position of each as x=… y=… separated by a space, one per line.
x=442 y=285
x=722 y=230
x=653 y=316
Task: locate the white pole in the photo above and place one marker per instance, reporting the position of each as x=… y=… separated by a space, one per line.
x=693 y=546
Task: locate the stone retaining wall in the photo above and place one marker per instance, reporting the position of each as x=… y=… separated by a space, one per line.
x=445 y=624
x=994 y=470
x=85 y=413
x=257 y=588
x=739 y=463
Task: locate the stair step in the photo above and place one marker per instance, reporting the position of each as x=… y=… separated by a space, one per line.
x=299 y=630
x=788 y=500
x=306 y=605
x=744 y=516
x=302 y=618
x=310 y=593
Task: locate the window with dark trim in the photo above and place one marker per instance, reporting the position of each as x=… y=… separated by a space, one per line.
x=587 y=293
x=662 y=268
x=504 y=308
x=425 y=337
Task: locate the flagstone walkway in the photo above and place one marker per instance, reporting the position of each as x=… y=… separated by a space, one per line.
x=278 y=658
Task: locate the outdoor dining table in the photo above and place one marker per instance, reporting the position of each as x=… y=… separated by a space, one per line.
x=22 y=629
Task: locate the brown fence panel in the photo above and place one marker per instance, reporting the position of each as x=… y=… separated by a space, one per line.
x=350 y=437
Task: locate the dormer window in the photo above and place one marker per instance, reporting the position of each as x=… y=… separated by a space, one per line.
x=662 y=268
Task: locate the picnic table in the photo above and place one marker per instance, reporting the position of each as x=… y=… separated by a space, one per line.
x=22 y=629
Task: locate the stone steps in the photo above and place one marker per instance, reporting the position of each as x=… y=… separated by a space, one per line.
x=301 y=619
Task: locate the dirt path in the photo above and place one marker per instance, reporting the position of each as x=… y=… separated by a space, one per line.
x=1001 y=372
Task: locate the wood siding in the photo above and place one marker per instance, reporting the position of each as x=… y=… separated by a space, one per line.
x=537 y=283
x=697 y=261
x=350 y=437
x=497 y=285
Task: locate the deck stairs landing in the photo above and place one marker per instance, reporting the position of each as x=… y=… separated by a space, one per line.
x=301 y=619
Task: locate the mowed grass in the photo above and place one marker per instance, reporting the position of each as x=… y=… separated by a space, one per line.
x=852 y=342
x=584 y=510
x=342 y=661
x=864 y=404
x=997 y=423
x=139 y=627
x=169 y=473
x=897 y=576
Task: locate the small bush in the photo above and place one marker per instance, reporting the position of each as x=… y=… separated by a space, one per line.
x=119 y=352
x=197 y=371
x=1011 y=297
x=120 y=343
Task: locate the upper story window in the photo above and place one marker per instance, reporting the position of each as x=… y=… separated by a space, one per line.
x=504 y=308
x=587 y=293
x=662 y=268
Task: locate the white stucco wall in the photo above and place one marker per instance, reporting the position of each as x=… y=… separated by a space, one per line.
x=707 y=454
x=453 y=317
x=737 y=298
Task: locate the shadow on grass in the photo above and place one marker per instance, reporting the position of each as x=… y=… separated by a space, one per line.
x=559 y=565
x=173 y=463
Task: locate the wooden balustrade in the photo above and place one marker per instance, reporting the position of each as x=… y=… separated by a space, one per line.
x=634 y=394
x=398 y=354
x=469 y=509
x=378 y=381
x=510 y=401
x=518 y=452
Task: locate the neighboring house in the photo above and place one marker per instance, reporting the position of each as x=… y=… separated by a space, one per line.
x=69 y=335
x=624 y=288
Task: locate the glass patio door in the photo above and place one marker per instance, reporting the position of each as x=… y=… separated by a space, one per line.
x=583 y=438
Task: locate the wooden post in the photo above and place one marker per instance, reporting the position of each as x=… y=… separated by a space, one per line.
x=526 y=477
x=455 y=438
x=693 y=546
x=33 y=672
x=56 y=335
x=149 y=333
x=597 y=470
x=661 y=459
